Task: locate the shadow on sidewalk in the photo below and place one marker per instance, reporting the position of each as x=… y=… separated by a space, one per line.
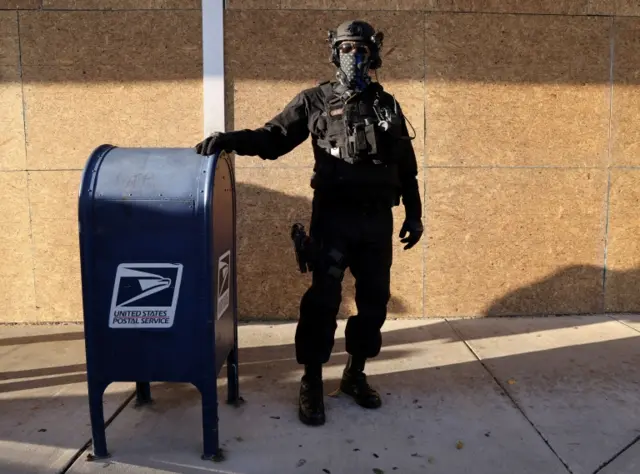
x=36 y=339
x=589 y=384
x=269 y=281
x=575 y=388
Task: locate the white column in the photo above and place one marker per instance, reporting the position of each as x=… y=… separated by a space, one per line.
x=213 y=65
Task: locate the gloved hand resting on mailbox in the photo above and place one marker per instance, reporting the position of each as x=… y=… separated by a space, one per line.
x=215 y=142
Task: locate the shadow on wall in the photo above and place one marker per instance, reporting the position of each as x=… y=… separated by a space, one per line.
x=501 y=48
x=491 y=48
x=574 y=289
x=270 y=284
x=577 y=289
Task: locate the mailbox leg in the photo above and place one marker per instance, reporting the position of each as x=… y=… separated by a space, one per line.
x=210 y=432
x=96 y=413
x=143 y=393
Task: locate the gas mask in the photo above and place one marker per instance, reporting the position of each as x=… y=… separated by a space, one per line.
x=355 y=61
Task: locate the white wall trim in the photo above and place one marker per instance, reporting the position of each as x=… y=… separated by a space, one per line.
x=213 y=65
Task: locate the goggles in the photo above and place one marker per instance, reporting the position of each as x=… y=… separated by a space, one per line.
x=352 y=47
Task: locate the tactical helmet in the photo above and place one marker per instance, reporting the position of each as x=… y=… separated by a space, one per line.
x=356 y=30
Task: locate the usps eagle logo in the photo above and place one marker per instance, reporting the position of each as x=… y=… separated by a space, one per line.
x=224 y=283
x=145 y=295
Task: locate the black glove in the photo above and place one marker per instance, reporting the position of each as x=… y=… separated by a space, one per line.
x=415 y=229
x=215 y=142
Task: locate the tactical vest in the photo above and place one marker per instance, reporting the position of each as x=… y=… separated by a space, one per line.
x=359 y=153
x=353 y=134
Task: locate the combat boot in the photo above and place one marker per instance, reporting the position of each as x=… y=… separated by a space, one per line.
x=354 y=383
x=311 y=402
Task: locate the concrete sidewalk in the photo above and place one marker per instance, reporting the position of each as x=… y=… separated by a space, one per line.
x=494 y=396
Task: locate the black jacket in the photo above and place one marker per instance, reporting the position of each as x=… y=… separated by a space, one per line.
x=306 y=115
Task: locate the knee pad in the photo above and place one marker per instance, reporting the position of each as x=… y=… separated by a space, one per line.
x=363 y=338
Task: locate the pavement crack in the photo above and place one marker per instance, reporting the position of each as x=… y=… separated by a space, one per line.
x=513 y=401
x=107 y=422
x=617 y=455
x=613 y=318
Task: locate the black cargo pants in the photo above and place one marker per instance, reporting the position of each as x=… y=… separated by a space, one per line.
x=360 y=239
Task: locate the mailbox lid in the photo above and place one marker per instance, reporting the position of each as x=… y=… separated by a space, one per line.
x=149 y=173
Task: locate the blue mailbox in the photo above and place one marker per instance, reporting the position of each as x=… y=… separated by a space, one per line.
x=157 y=231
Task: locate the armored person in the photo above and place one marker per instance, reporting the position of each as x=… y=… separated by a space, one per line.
x=364 y=166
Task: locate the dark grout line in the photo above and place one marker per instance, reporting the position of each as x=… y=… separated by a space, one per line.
x=54 y=170
x=107 y=422
x=422 y=168
x=613 y=318
x=40 y=170
x=612 y=50
x=279 y=166
x=506 y=392
x=609 y=162
x=66 y=10
x=561 y=167
x=606 y=243
x=426 y=11
x=310 y=166
x=425 y=160
x=24 y=127
x=617 y=455
x=428 y=167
